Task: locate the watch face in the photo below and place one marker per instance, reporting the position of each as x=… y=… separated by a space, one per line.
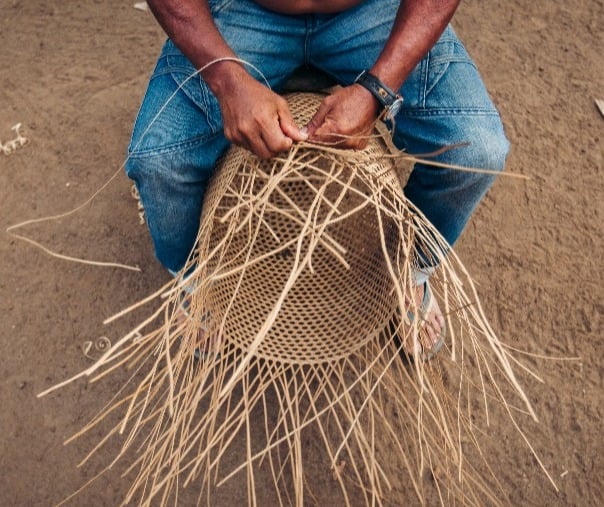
x=394 y=108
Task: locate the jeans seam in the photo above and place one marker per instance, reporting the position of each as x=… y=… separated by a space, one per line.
x=173 y=70
x=210 y=119
x=442 y=111
x=306 y=39
x=219 y=6
x=425 y=75
x=169 y=148
x=438 y=60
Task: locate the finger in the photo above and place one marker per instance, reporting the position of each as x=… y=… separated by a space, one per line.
x=257 y=146
x=275 y=141
x=261 y=151
x=326 y=133
x=317 y=120
x=261 y=136
x=272 y=135
x=330 y=134
x=289 y=127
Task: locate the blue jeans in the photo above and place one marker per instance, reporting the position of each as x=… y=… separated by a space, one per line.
x=173 y=152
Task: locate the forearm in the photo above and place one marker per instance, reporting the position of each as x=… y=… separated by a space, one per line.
x=252 y=115
x=417 y=27
x=190 y=26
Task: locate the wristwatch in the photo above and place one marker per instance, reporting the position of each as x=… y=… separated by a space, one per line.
x=390 y=101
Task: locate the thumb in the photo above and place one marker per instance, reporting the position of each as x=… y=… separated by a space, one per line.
x=289 y=127
x=317 y=120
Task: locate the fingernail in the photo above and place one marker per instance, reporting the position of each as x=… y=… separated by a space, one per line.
x=304 y=131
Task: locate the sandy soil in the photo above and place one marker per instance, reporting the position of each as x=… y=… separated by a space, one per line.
x=73 y=73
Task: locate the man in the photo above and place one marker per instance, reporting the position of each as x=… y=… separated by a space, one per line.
x=376 y=49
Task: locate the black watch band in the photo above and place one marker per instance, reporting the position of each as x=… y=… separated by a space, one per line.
x=389 y=101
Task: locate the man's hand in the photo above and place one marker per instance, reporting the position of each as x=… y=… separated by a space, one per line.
x=344 y=117
x=256 y=118
x=253 y=116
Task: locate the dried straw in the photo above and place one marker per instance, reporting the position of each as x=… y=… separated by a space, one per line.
x=300 y=280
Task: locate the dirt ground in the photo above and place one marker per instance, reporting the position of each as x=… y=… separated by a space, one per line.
x=73 y=73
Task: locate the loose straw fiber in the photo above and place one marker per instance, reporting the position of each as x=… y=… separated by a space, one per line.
x=296 y=298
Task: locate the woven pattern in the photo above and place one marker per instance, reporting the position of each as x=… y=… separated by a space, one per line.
x=344 y=297
x=302 y=267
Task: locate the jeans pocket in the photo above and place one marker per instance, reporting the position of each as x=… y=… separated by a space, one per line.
x=437 y=66
x=190 y=83
x=446 y=52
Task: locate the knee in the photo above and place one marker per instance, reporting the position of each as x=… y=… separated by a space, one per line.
x=171 y=213
x=143 y=166
x=146 y=173
x=132 y=167
x=488 y=148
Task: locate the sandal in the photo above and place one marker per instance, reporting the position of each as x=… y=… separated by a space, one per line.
x=427 y=305
x=210 y=346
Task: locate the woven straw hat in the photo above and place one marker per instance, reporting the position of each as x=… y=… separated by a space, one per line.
x=296 y=297
x=305 y=217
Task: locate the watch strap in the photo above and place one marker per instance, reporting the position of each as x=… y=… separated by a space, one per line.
x=384 y=95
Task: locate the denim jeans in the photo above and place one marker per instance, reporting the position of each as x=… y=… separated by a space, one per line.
x=175 y=144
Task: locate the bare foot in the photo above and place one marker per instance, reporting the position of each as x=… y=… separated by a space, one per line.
x=205 y=344
x=432 y=329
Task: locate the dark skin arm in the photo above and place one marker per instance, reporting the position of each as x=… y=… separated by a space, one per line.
x=352 y=110
x=257 y=118
x=253 y=116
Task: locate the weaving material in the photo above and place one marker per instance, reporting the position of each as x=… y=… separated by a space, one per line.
x=302 y=225
x=296 y=297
